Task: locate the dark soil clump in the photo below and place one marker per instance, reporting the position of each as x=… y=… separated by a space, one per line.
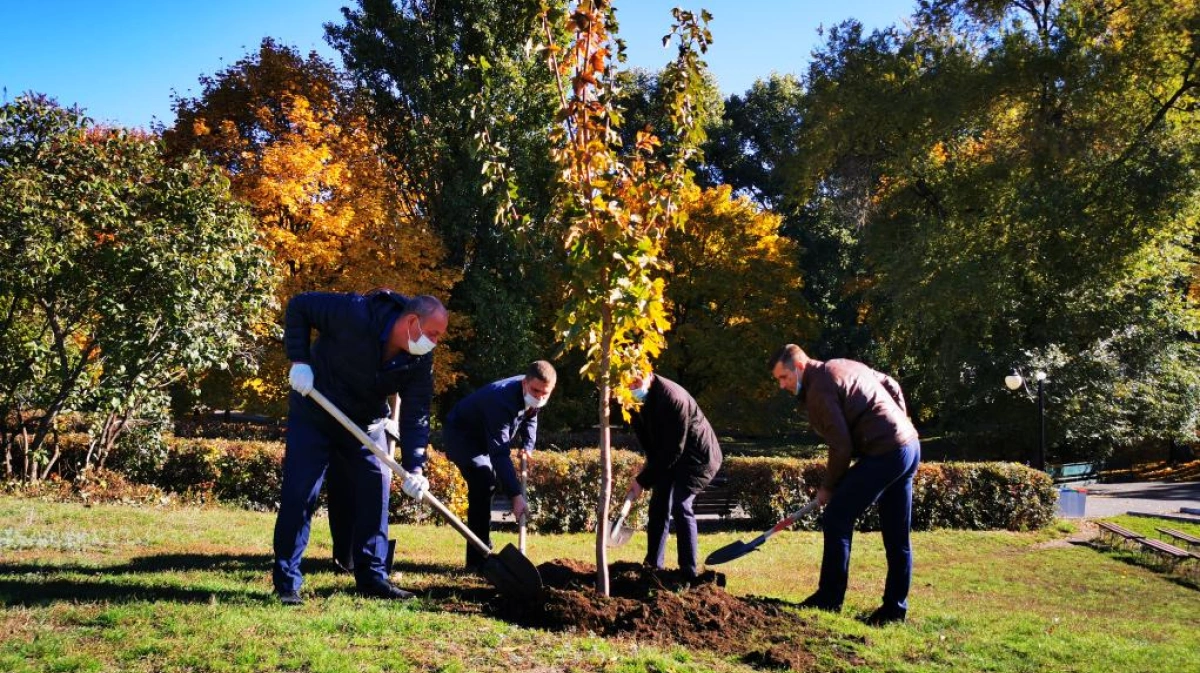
x=666 y=608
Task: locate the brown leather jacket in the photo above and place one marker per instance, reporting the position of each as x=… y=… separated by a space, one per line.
x=856 y=410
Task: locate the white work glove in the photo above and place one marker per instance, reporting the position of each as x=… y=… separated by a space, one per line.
x=381 y=428
x=301 y=378
x=414 y=485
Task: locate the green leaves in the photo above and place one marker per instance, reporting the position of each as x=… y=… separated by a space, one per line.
x=131 y=271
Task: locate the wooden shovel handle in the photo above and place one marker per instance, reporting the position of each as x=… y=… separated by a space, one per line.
x=428 y=497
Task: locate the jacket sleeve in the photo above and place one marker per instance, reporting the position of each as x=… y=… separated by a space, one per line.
x=530 y=433
x=669 y=434
x=889 y=384
x=827 y=418
x=306 y=312
x=416 y=395
x=497 y=428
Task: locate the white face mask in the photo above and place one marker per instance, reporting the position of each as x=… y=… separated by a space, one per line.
x=532 y=402
x=798 y=384
x=422 y=345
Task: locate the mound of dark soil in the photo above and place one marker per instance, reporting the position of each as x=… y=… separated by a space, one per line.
x=664 y=607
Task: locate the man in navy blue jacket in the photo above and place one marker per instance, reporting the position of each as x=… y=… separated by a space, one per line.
x=369 y=347
x=478 y=433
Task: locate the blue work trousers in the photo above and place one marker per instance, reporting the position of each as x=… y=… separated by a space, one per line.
x=887 y=479
x=671 y=497
x=314 y=440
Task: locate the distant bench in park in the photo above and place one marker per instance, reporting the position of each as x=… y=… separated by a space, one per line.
x=1170 y=555
x=1074 y=472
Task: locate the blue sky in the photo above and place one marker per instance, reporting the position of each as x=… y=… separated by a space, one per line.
x=120 y=60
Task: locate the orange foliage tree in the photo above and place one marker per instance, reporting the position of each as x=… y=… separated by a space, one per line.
x=298 y=146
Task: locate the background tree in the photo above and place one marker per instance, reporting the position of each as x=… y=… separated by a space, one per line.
x=464 y=113
x=299 y=147
x=123 y=273
x=1027 y=175
x=735 y=295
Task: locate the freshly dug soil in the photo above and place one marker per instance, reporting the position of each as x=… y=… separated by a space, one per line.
x=663 y=607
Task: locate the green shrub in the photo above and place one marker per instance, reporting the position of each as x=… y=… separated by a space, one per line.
x=969 y=496
x=563 y=484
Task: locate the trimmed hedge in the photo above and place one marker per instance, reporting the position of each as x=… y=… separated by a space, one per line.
x=967 y=496
x=562 y=486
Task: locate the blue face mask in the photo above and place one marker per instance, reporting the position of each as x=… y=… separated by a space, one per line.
x=799 y=385
x=640 y=394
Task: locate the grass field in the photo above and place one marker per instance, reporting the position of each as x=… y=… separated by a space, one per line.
x=113 y=588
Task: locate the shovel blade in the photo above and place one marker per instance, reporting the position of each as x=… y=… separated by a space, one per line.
x=620 y=536
x=513 y=574
x=732 y=551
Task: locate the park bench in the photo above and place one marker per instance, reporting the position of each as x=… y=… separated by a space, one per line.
x=1074 y=472
x=1189 y=540
x=1118 y=533
x=1169 y=553
x=716 y=498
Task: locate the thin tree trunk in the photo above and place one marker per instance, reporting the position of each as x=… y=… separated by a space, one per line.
x=605 y=456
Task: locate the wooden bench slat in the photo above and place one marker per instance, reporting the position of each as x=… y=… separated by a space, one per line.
x=1182 y=536
x=1168 y=549
x=1119 y=530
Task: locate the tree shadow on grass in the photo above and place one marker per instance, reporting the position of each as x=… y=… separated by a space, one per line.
x=31 y=584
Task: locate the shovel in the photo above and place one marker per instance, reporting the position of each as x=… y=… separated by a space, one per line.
x=619 y=534
x=736 y=550
x=509 y=570
x=521 y=521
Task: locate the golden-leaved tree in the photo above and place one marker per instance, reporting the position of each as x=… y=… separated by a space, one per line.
x=297 y=144
x=735 y=296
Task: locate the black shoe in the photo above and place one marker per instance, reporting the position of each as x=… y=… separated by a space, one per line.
x=290 y=598
x=885 y=615
x=386 y=591
x=819 y=602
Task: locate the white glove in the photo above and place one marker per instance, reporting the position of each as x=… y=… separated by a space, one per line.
x=414 y=485
x=381 y=428
x=301 y=378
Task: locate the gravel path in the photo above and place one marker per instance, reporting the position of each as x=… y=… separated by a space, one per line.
x=1105 y=500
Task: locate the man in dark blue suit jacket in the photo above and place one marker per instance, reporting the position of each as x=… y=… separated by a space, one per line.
x=369 y=347
x=478 y=433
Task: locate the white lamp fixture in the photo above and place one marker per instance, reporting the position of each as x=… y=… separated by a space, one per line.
x=1013 y=381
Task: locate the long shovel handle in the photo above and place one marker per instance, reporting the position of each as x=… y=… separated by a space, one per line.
x=786 y=522
x=428 y=497
x=521 y=522
x=394 y=405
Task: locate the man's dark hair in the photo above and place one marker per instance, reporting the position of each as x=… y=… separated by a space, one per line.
x=787 y=356
x=423 y=306
x=542 y=371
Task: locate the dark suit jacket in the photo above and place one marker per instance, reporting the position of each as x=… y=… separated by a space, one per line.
x=489 y=421
x=676 y=437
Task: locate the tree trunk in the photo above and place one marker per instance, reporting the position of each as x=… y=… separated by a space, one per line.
x=605 y=456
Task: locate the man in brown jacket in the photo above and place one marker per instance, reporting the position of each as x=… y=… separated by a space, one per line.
x=860 y=413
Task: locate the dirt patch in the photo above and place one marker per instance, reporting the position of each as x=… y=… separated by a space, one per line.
x=664 y=607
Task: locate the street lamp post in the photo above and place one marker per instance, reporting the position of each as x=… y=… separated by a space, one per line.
x=1014 y=381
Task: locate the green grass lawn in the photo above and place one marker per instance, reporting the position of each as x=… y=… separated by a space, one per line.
x=113 y=588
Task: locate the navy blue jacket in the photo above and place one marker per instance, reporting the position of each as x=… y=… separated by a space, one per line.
x=489 y=421
x=347 y=363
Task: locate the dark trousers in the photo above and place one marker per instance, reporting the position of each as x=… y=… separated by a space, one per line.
x=887 y=479
x=313 y=442
x=480 y=476
x=671 y=497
